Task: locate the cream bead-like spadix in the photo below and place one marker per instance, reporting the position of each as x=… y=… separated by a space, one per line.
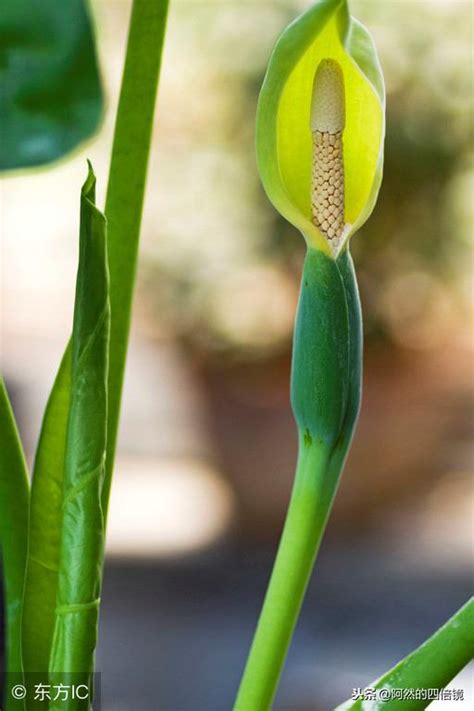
x=327 y=172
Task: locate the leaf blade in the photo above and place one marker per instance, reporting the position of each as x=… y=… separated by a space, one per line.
x=432 y=665
x=14 y=501
x=82 y=523
x=43 y=538
x=125 y=196
x=51 y=98
x=73 y=431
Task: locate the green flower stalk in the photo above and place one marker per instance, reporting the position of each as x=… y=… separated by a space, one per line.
x=320 y=131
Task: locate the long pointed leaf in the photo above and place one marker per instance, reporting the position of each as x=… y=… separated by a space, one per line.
x=431 y=666
x=82 y=524
x=14 y=494
x=124 y=206
x=126 y=191
x=66 y=523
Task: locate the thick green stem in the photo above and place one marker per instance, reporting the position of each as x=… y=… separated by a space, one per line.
x=304 y=526
x=126 y=190
x=325 y=395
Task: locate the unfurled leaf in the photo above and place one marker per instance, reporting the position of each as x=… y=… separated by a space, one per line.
x=50 y=93
x=326 y=39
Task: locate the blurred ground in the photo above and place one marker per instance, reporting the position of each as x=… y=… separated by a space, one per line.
x=175 y=637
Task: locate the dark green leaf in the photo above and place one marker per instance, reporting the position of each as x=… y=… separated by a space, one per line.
x=50 y=94
x=320 y=365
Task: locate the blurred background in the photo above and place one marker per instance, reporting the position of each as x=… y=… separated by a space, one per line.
x=208 y=445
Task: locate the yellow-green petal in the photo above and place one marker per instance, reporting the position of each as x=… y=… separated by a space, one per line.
x=284 y=139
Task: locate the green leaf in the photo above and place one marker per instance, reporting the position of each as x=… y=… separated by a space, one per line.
x=125 y=195
x=66 y=532
x=14 y=495
x=50 y=96
x=431 y=666
x=44 y=535
x=82 y=522
x=126 y=192
x=283 y=136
